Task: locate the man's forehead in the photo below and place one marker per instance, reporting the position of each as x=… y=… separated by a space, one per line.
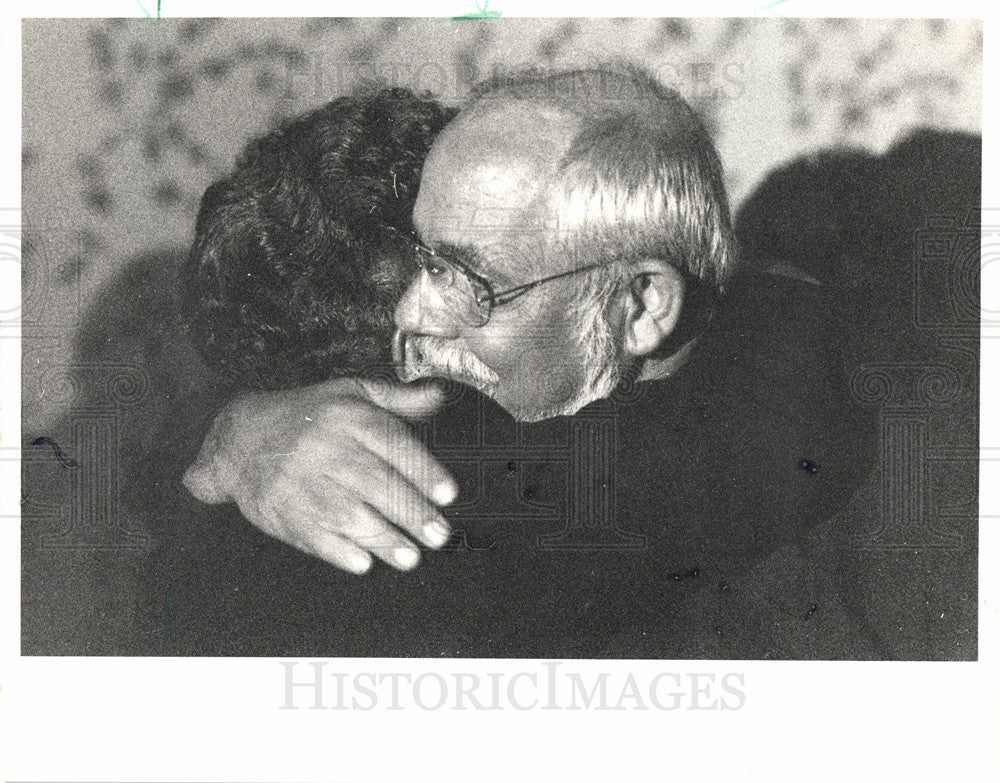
x=487 y=167
x=521 y=128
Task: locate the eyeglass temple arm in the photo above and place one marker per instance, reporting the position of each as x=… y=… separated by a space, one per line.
x=517 y=290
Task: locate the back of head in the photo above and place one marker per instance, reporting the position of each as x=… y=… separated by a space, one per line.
x=293 y=276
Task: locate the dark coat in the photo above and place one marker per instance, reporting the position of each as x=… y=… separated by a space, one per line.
x=665 y=522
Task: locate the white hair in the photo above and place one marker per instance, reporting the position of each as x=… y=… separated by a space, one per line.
x=641 y=177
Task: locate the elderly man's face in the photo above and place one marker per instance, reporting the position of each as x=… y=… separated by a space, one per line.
x=480 y=200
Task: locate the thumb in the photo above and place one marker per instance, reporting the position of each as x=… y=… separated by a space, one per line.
x=411 y=401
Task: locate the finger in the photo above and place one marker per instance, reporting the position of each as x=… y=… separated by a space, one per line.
x=315 y=540
x=311 y=518
x=342 y=553
x=394 y=442
x=391 y=495
x=413 y=401
x=369 y=530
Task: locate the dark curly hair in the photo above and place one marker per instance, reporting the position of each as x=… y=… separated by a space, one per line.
x=293 y=277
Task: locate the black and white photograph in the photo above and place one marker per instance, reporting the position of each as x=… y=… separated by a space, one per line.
x=485 y=337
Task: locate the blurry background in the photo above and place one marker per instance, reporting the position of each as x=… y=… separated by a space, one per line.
x=127 y=121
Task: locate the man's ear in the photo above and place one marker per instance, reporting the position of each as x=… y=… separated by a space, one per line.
x=655 y=298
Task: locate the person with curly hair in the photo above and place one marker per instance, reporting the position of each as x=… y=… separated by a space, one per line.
x=297 y=263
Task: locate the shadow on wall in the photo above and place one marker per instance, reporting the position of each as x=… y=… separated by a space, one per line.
x=94 y=486
x=897 y=235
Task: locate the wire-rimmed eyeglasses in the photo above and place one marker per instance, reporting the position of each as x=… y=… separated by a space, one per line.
x=466 y=292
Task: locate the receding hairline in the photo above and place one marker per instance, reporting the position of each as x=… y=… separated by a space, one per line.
x=530 y=111
x=622 y=110
x=538 y=97
x=587 y=93
x=587 y=101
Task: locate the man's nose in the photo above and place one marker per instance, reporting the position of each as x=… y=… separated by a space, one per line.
x=422 y=310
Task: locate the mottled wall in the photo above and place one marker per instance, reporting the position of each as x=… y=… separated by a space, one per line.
x=127 y=121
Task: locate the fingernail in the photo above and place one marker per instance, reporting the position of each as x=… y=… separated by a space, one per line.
x=405 y=557
x=437 y=533
x=444 y=493
x=360 y=562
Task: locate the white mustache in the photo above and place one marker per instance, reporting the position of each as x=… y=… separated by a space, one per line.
x=426 y=356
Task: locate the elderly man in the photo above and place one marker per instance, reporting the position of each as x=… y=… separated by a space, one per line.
x=573 y=239
x=563 y=222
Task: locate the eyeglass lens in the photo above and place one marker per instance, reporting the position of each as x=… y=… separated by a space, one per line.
x=455 y=288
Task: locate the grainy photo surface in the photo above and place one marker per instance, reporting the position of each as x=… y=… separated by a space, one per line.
x=501 y=338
